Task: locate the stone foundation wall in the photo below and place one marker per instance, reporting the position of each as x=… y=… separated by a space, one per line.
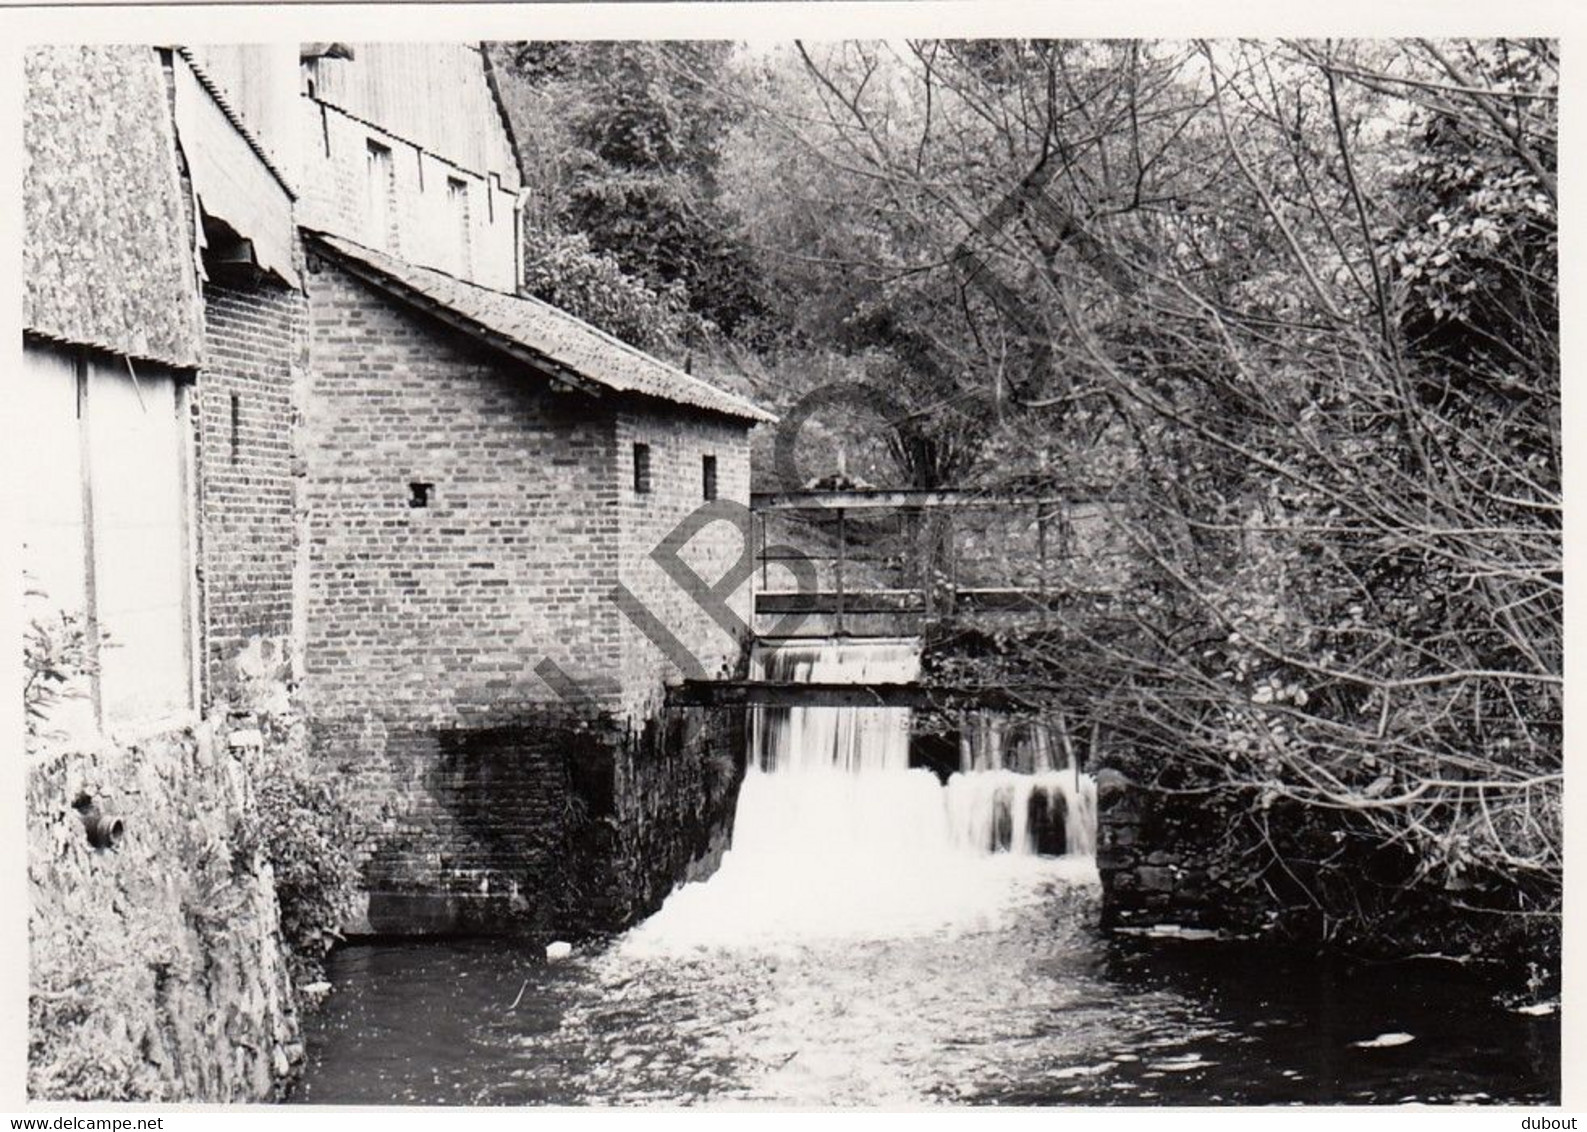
x=157 y=971
x=677 y=787
x=1156 y=860
x=564 y=822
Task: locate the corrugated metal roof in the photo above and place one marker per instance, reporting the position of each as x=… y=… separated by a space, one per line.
x=569 y=347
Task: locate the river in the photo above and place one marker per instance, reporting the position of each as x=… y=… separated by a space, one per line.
x=877 y=938
x=1038 y=1009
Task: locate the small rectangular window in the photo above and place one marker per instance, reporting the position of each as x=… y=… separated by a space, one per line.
x=708 y=468
x=462 y=224
x=236 y=426
x=641 y=469
x=382 y=188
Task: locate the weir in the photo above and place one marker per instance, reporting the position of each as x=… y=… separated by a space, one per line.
x=888 y=936
x=836 y=834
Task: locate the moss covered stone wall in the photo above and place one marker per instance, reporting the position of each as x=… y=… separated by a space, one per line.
x=157 y=971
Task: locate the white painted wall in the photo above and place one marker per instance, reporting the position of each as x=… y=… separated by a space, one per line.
x=140 y=542
x=134 y=487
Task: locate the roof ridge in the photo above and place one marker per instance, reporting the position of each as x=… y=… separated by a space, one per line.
x=741 y=406
x=213 y=89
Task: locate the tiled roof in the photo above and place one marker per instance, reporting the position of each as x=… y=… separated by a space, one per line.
x=569 y=348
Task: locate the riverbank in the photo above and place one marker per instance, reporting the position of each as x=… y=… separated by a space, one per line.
x=158 y=968
x=1035 y=1005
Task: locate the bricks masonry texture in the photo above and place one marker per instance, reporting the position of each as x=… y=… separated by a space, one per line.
x=247 y=487
x=679 y=442
x=408 y=637
x=491 y=797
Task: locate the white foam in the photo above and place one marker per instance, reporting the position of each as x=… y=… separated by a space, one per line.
x=835 y=837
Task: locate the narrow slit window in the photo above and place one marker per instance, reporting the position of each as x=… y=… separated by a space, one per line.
x=382 y=188
x=641 y=469
x=462 y=223
x=236 y=426
x=708 y=477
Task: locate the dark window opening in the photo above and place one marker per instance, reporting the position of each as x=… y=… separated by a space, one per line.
x=236 y=426
x=457 y=198
x=419 y=494
x=382 y=188
x=642 y=469
x=708 y=466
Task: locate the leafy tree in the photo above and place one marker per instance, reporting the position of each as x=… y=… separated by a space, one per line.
x=1292 y=309
x=625 y=153
x=566 y=272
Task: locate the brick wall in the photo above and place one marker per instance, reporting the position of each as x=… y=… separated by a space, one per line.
x=245 y=407
x=439 y=614
x=678 y=443
x=493 y=801
x=676 y=772
x=425 y=624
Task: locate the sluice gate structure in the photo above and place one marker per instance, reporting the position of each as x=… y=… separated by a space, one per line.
x=890 y=561
x=839 y=699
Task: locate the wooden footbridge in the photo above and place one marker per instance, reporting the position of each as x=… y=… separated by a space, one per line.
x=770 y=693
x=925 y=587
x=920 y=587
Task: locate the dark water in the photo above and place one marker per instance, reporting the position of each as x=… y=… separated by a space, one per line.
x=1037 y=1009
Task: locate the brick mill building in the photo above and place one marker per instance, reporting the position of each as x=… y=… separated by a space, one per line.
x=420 y=507
x=484 y=473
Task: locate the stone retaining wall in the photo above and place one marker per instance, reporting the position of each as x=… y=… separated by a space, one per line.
x=157 y=969
x=1153 y=856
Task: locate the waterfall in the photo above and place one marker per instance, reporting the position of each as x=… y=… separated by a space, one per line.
x=837 y=835
x=1018 y=791
x=813 y=739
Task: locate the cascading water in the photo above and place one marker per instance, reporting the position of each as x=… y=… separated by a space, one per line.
x=836 y=836
x=878 y=939
x=1012 y=794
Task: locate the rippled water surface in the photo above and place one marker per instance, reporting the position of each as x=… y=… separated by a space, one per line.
x=876 y=937
x=1031 y=1005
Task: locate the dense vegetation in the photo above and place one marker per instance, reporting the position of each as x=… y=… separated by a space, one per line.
x=304 y=828
x=1290 y=308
